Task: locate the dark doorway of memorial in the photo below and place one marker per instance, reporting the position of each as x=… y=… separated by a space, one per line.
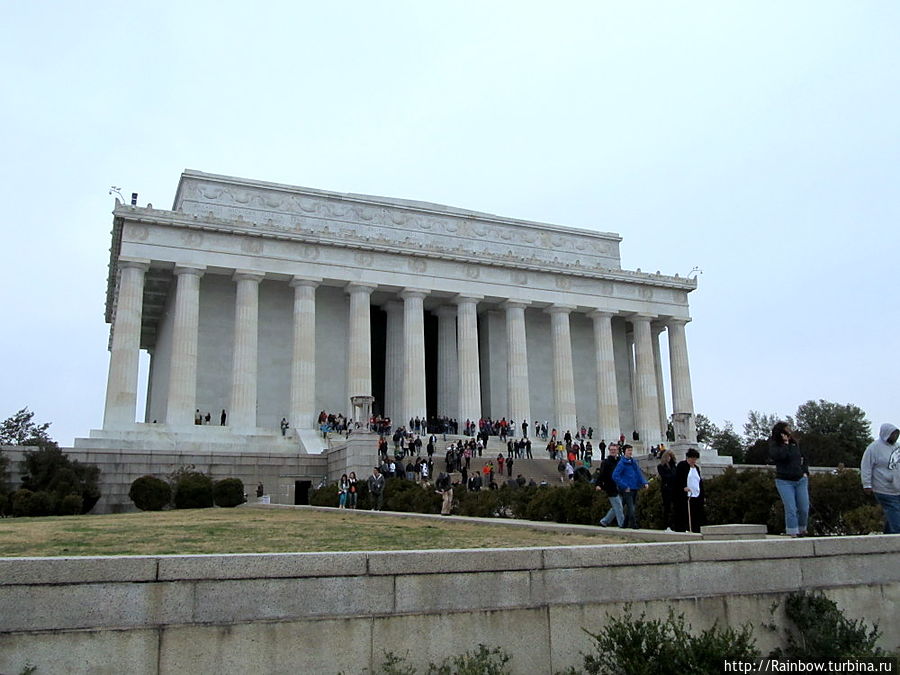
x=301 y=492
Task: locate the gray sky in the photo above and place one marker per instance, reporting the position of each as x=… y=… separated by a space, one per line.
x=756 y=140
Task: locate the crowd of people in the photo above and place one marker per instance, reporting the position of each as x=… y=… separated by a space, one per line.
x=617 y=475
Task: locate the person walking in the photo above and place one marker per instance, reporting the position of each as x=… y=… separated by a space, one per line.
x=879 y=471
x=629 y=480
x=791 y=479
x=666 y=470
x=444 y=488
x=606 y=483
x=688 y=494
x=376 y=489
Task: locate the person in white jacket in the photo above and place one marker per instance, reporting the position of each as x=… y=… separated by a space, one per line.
x=879 y=471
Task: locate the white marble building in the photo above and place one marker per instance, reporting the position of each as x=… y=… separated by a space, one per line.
x=272 y=301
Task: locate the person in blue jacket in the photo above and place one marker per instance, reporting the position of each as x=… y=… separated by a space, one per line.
x=629 y=479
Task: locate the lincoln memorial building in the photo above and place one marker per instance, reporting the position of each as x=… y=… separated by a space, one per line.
x=270 y=301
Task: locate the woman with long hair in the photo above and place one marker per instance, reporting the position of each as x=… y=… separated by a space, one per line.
x=343 y=490
x=791 y=479
x=352 y=490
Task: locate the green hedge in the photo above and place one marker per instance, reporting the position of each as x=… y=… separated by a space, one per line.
x=837 y=503
x=150 y=493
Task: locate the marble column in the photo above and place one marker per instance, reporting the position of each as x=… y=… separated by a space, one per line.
x=469 y=367
x=563 y=374
x=414 y=404
x=242 y=416
x=393 y=362
x=629 y=346
x=645 y=381
x=682 y=398
x=448 y=363
x=359 y=351
x=303 y=361
x=607 y=391
x=124 y=351
x=518 y=393
x=181 y=401
x=655 y=330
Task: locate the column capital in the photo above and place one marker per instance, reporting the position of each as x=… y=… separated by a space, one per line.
x=248 y=275
x=360 y=287
x=448 y=311
x=305 y=281
x=602 y=313
x=133 y=263
x=409 y=293
x=677 y=321
x=196 y=270
x=390 y=305
x=641 y=316
x=462 y=299
x=560 y=309
x=515 y=304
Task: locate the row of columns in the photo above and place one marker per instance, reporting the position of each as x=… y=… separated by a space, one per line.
x=459 y=385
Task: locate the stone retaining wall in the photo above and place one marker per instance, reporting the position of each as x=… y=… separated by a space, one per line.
x=327 y=613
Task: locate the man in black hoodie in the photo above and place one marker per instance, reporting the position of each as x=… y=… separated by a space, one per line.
x=608 y=485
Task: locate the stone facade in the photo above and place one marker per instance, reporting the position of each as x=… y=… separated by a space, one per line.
x=270 y=301
x=289 y=612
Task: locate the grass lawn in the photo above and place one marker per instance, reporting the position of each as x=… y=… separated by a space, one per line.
x=259 y=530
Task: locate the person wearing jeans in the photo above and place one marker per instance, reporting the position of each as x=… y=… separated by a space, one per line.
x=791 y=479
x=879 y=472
x=629 y=480
x=606 y=483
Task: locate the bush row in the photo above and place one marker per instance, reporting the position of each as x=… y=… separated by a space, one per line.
x=837 y=503
x=187 y=489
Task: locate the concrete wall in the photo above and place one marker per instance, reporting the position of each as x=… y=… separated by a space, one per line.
x=119 y=468
x=327 y=613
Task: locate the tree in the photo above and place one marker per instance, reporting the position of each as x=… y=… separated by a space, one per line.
x=758 y=426
x=705 y=428
x=20 y=429
x=728 y=443
x=50 y=471
x=832 y=433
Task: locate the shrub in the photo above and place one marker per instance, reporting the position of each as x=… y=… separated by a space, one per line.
x=150 y=493
x=823 y=632
x=639 y=645
x=650 y=507
x=70 y=505
x=481 y=504
x=20 y=502
x=864 y=519
x=41 y=504
x=481 y=661
x=830 y=497
x=747 y=496
x=193 y=490
x=327 y=495
x=409 y=497
x=228 y=492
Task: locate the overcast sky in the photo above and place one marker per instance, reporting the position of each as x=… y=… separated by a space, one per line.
x=756 y=140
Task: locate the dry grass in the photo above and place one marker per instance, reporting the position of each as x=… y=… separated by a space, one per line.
x=260 y=530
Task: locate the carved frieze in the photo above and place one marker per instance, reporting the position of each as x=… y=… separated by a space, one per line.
x=403 y=224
